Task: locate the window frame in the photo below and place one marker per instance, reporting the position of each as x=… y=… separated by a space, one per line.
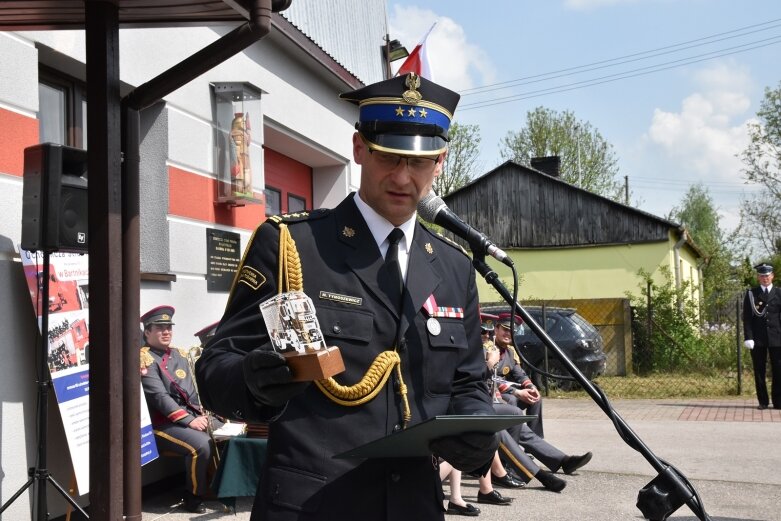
x=75 y=94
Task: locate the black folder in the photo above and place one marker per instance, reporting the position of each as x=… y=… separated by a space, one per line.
x=414 y=440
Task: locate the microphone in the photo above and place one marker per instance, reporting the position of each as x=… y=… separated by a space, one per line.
x=434 y=210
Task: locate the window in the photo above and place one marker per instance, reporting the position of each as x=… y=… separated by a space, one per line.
x=62 y=114
x=273 y=201
x=295 y=203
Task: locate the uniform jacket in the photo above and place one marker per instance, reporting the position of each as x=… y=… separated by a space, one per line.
x=169 y=387
x=443 y=373
x=762 y=320
x=509 y=370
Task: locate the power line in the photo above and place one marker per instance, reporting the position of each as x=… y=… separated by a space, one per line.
x=612 y=62
x=621 y=76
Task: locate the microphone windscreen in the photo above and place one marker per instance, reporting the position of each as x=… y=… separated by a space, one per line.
x=429 y=206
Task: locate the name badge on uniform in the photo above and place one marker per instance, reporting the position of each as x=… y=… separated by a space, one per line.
x=433 y=326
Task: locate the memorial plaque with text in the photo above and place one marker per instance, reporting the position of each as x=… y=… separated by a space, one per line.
x=222 y=257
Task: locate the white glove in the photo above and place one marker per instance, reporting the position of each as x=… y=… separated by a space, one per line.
x=749 y=344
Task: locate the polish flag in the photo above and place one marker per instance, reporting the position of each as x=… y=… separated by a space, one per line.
x=417 y=61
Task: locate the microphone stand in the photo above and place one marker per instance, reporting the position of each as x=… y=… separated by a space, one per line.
x=670 y=489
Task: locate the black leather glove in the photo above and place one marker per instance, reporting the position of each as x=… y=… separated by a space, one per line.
x=468 y=452
x=268 y=378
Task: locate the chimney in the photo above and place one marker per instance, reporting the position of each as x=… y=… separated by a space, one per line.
x=549 y=165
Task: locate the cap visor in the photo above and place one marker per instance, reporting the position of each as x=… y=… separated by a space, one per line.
x=407 y=145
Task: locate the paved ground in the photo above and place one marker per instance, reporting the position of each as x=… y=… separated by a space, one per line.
x=727 y=448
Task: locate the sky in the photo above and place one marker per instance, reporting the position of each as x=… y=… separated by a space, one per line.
x=670 y=84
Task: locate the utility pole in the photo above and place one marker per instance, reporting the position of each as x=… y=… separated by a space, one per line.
x=626 y=190
x=577 y=140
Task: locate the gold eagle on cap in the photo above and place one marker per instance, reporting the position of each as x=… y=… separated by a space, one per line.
x=412 y=96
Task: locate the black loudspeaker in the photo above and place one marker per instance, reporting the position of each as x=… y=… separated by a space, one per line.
x=54 y=199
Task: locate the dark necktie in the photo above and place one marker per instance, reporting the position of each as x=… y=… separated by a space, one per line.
x=396 y=284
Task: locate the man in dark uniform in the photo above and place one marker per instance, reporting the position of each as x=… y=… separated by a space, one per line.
x=179 y=423
x=762 y=333
x=518 y=391
x=354 y=260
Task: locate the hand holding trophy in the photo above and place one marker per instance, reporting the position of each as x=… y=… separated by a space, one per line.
x=295 y=334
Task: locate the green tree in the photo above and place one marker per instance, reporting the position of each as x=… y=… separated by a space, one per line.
x=461 y=162
x=587 y=159
x=721 y=281
x=761 y=215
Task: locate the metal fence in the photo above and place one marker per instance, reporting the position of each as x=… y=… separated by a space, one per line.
x=653 y=351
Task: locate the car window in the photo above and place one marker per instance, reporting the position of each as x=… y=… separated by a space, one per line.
x=582 y=324
x=550 y=324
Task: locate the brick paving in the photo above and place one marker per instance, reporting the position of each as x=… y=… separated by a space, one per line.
x=688 y=409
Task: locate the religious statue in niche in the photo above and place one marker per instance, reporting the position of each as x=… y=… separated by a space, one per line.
x=241 y=171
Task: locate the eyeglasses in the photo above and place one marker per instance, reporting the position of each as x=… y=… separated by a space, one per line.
x=415 y=164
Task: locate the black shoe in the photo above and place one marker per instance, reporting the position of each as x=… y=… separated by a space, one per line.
x=506 y=481
x=762 y=407
x=193 y=504
x=513 y=474
x=550 y=481
x=573 y=463
x=493 y=498
x=468 y=510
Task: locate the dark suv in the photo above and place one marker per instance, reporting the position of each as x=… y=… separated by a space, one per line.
x=576 y=337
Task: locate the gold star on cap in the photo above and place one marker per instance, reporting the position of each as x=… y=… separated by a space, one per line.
x=348 y=232
x=423 y=113
x=411 y=112
x=399 y=111
x=429 y=249
x=166 y=316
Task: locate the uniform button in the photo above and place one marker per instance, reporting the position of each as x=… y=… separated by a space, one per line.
x=395 y=477
x=403 y=344
x=337 y=329
x=396 y=428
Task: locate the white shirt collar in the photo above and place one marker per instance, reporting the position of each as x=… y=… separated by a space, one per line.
x=381 y=227
x=764 y=288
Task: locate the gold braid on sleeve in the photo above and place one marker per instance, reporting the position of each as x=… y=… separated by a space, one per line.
x=291 y=278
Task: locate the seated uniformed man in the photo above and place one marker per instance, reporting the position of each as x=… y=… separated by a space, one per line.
x=518 y=393
x=179 y=423
x=206 y=334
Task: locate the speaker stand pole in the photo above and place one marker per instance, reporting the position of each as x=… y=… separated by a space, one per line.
x=39 y=474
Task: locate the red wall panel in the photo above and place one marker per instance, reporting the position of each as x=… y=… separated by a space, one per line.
x=192 y=196
x=288 y=176
x=17 y=132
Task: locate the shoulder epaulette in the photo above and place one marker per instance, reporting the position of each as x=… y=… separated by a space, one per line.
x=289 y=218
x=184 y=352
x=451 y=243
x=146 y=358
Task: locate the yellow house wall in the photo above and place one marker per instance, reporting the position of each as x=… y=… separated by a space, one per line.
x=589 y=272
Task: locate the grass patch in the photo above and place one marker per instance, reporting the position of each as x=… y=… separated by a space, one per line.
x=667 y=386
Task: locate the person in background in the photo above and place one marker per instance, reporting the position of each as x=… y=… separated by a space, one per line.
x=206 y=334
x=762 y=333
x=517 y=392
x=178 y=420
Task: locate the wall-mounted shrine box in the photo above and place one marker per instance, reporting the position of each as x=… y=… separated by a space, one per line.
x=238 y=143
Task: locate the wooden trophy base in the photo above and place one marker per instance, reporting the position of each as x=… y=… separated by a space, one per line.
x=314 y=365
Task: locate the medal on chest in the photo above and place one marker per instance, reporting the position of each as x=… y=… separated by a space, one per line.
x=180 y=374
x=433 y=326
